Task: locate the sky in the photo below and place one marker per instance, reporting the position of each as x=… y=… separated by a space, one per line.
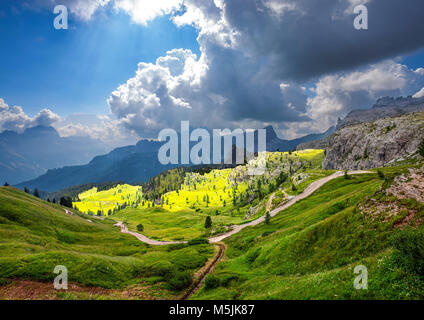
x=126 y=69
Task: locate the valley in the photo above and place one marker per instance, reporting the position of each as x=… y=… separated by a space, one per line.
x=295 y=232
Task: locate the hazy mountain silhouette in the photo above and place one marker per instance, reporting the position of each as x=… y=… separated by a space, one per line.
x=135 y=164
x=29 y=154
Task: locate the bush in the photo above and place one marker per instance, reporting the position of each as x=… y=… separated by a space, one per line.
x=181 y=280
x=381 y=175
x=197 y=241
x=225 y=281
x=212 y=282
x=409 y=245
x=267 y=233
x=140 y=228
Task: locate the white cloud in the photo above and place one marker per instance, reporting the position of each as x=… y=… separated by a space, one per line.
x=337 y=95
x=143 y=11
x=250 y=47
x=15 y=119
x=419 y=94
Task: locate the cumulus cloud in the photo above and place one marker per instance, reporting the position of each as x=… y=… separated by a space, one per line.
x=336 y=95
x=100 y=127
x=15 y=119
x=257 y=55
x=180 y=86
x=419 y=94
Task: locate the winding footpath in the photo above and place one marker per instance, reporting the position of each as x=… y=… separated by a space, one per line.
x=124 y=229
x=314 y=186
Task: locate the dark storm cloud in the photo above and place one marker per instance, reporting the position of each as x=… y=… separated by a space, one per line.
x=312 y=38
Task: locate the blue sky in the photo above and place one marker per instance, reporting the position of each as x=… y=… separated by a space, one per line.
x=239 y=63
x=75 y=70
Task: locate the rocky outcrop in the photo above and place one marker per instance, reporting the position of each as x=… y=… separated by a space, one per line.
x=375 y=144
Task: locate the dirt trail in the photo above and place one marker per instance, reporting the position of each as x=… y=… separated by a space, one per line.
x=202 y=278
x=124 y=229
x=314 y=186
x=269 y=203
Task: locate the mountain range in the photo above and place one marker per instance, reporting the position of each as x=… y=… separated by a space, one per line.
x=384 y=107
x=30 y=154
x=134 y=164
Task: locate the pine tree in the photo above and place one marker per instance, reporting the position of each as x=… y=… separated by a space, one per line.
x=36 y=193
x=346 y=175
x=267 y=218
x=421 y=148
x=6 y=184
x=26 y=190
x=208 y=222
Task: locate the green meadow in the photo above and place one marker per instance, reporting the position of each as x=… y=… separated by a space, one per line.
x=36 y=236
x=310 y=250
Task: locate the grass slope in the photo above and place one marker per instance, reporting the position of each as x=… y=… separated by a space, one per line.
x=36 y=236
x=309 y=251
x=226 y=195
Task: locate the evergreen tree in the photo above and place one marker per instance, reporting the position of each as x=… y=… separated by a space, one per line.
x=26 y=190
x=346 y=175
x=267 y=218
x=421 y=148
x=208 y=222
x=66 y=202
x=6 y=184
x=140 y=228
x=36 y=193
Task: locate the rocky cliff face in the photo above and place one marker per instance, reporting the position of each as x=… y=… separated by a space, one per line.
x=375 y=144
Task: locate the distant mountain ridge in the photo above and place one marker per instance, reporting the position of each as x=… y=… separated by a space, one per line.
x=384 y=107
x=29 y=154
x=134 y=164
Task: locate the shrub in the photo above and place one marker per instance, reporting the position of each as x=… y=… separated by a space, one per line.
x=197 y=241
x=267 y=233
x=212 y=282
x=381 y=174
x=409 y=245
x=225 y=281
x=181 y=280
x=421 y=148
x=140 y=228
x=253 y=255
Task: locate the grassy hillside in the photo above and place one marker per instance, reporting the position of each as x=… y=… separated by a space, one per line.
x=228 y=196
x=36 y=236
x=310 y=250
